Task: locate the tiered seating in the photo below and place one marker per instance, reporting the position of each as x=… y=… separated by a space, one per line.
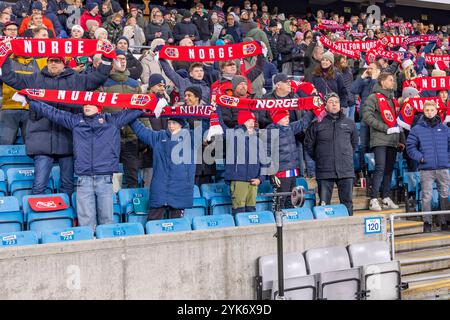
x=13 y=156
x=218 y=196
x=43 y=221
x=361 y=271
x=67 y=234
x=20 y=238
x=199 y=207
x=119 y=230
x=3 y=188
x=20 y=182
x=168 y=226
x=11 y=218
x=134 y=205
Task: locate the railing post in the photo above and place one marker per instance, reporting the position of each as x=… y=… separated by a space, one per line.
x=392 y=235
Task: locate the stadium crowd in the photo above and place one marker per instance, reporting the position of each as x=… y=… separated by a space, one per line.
x=295 y=62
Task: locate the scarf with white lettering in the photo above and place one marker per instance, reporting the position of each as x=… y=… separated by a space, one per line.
x=338 y=48
x=373 y=54
x=442 y=61
x=430 y=83
x=388 y=25
x=413 y=105
x=422 y=39
x=55 y=48
x=387 y=114
x=158 y=108
x=211 y=53
x=394 y=41
x=326 y=25
x=314 y=103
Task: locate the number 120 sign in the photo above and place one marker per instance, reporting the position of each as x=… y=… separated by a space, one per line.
x=372 y=225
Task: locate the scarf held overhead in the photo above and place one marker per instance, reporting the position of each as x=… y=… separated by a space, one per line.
x=413 y=105
x=338 y=47
x=55 y=48
x=211 y=53
x=431 y=83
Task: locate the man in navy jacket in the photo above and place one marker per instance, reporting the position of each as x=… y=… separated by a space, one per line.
x=429 y=143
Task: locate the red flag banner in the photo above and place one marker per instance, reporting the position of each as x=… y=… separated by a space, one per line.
x=55 y=48
x=434 y=58
x=211 y=53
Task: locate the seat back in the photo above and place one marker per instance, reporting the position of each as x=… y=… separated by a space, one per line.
x=56 y=177
x=297 y=214
x=327 y=259
x=126 y=197
x=3 y=188
x=119 y=230
x=302 y=182
x=265 y=187
x=20 y=238
x=213 y=222
x=220 y=205
x=370 y=252
x=20 y=181
x=67 y=234
x=299 y=288
x=199 y=208
x=14 y=155
x=252 y=218
x=330 y=211
x=197 y=191
x=369 y=159
x=167 y=226
x=11 y=218
x=210 y=190
x=340 y=284
x=293 y=266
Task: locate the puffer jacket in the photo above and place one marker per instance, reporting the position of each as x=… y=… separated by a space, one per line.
x=43 y=136
x=432 y=144
x=184 y=28
x=172 y=183
x=96 y=139
x=285 y=44
x=336 y=84
x=153 y=28
x=114 y=31
x=331 y=144
x=244 y=167
x=372 y=117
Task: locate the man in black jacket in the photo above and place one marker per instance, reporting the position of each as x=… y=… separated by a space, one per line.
x=204 y=25
x=331 y=143
x=133 y=64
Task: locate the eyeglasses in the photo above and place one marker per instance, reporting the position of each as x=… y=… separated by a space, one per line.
x=11 y=29
x=53 y=60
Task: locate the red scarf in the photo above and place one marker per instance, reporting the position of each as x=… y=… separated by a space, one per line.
x=211 y=53
x=55 y=48
x=413 y=105
x=388 y=25
x=387 y=113
x=433 y=58
x=431 y=83
x=392 y=40
x=309 y=103
x=373 y=54
x=333 y=27
x=422 y=39
x=338 y=47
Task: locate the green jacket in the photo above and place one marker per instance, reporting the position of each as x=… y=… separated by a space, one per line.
x=378 y=128
x=259 y=35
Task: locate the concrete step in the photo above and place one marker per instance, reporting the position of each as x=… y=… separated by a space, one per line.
x=438 y=289
x=410 y=267
x=405 y=227
x=368 y=213
x=422 y=241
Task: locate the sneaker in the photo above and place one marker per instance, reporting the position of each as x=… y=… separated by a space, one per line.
x=374 y=205
x=389 y=204
x=427 y=227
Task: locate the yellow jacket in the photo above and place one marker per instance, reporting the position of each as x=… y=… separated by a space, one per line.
x=24 y=66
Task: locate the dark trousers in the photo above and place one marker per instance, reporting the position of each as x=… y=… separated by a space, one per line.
x=129 y=156
x=384 y=165
x=345 y=191
x=159 y=213
x=287 y=184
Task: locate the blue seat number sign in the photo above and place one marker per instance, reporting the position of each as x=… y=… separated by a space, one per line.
x=372 y=225
x=118 y=232
x=9 y=240
x=168 y=226
x=254 y=218
x=66 y=235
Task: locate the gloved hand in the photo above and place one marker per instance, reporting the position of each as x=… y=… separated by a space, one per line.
x=160 y=106
x=393 y=130
x=158 y=48
x=20 y=98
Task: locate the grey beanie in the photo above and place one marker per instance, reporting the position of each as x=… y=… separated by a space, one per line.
x=329 y=56
x=236 y=80
x=409 y=92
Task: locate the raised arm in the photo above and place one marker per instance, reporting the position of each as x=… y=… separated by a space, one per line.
x=147 y=135
x=63 y=118
x=15 y=80
x=126 y=116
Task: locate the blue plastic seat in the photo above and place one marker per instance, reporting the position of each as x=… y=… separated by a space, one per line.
x=199 y=208
x=369 y=159
x=263 y=203
x=3 y=188
x=119 y=230
x=128 y=199
x=43 y=221
x=310 y=198
x=14 y=155
x=210 y=190
x=11 y=218
x=220 y=205
x=117 y=216
x=213 y=222
x=330 y=211
x=20 y=238
x=167 y=226
x=197 y=191
x=297 y=214
x=56 y=178
x=253 y=218
x=67 y=234
x=20 y=182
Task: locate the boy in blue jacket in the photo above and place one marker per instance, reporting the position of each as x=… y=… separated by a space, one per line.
x=429 y=144
x=244 y=173
x=96 y=148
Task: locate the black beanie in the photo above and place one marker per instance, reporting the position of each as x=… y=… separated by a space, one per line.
x=195 y=90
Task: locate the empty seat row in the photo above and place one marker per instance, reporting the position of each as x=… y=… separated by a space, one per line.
x=359 y=271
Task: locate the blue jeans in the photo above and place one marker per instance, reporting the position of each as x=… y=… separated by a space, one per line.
x=42 y=168
x=10 y=121
x=94 y=200
x=350 y=112
x=203 y=43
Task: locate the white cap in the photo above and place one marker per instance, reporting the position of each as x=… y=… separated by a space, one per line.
x=407 y=63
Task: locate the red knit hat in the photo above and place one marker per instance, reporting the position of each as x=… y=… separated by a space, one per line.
x=277 y=115
x=244 y=115
x=306 y=87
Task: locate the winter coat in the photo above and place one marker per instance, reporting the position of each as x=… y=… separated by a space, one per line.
x=96 y=139
x=233 y=31
x=288 y=154
x=43 y=136
x=273 y=40
x=331 y=143
x=269 y=72
x=46 y=21
x=182 y=83
x=87 y=16
x=372 y=117
x=114 y=31
x=153 y=28
x=149 y=67
x=259 y=35
x=135 y=36
x=285 y=45
x=172 y=183
x=134 y=66
x=183 y=29
x=336 y=84
x=363 y=88
x=205 y=26
x=432 y=144
x=246 y=26
x=246 y=163
x=347 y=78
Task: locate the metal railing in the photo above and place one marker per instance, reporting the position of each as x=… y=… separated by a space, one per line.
x=392 y=218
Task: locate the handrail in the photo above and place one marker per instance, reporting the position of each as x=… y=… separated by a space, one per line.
x=441 y=276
